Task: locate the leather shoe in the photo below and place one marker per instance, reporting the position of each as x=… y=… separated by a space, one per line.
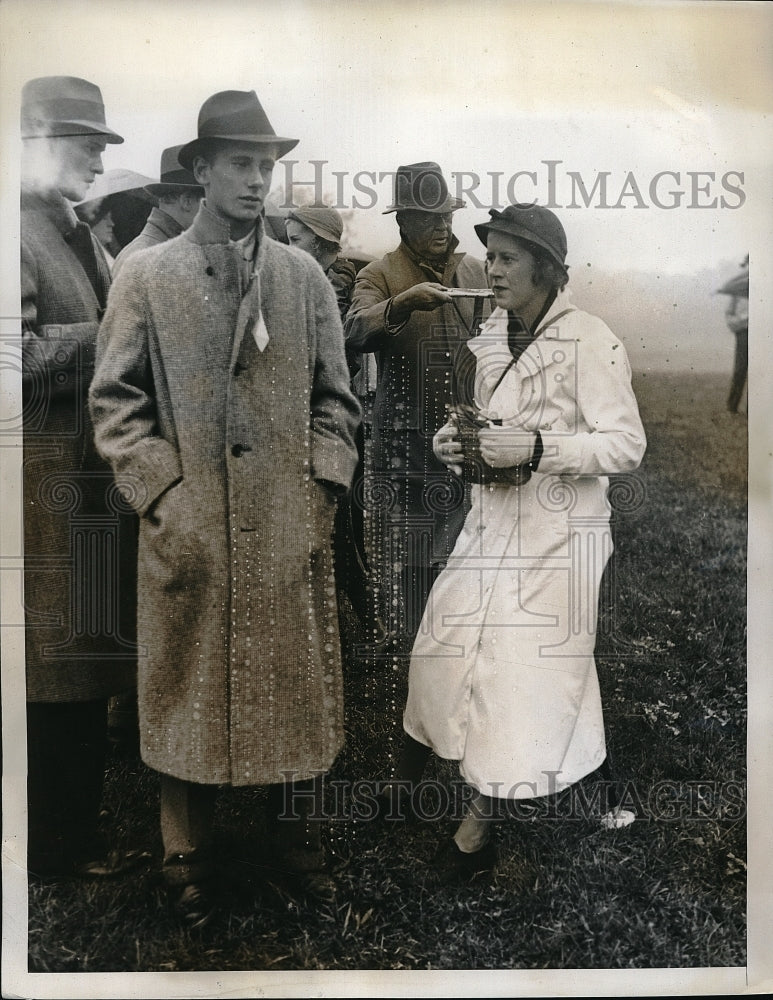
x=451 y=866
x=194 y=904
x=113 y=865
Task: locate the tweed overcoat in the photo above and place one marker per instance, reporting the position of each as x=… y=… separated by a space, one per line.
x=159 y=228
x=420 y=502
x=502 y=675
x=79 y=536
x=224 y=449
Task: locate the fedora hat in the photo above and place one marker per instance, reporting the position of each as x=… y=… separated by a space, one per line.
x=175 y=179
x=323 y=222
x=421 y=187
x=63 y=105
x=532 y=223
x=236 y=115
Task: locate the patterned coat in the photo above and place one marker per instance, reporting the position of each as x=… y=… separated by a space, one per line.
x=223 y=449
x=79 y=537
x=422 y=502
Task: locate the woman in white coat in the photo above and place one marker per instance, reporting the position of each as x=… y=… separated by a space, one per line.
x=502 y=675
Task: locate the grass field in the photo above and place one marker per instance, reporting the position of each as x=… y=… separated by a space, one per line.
x=668 y=891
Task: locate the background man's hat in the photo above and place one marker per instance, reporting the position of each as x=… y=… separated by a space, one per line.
x=421 y=187
x=534 y=224
x=323 y=222
x=63 y=105
x=175 y=179
x=236 y=115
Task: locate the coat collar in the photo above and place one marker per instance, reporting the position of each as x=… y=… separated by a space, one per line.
x=210 y=228
x=433 y=272
x=52 y=205
x=164 y=222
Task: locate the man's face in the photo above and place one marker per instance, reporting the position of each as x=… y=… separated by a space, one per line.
x=427 y=233
x=302 y=237
x=237 y=182
x=65 y=163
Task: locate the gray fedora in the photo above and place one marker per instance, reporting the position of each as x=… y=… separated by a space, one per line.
x=236 y=115
x=63 y=105
x=421 y=187
x=175 y=179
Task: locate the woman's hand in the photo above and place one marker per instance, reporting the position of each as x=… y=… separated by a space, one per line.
x=448 y=448
x=505 y=447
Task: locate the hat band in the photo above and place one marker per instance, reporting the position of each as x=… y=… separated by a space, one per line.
x=65 y=109
x=242 y=122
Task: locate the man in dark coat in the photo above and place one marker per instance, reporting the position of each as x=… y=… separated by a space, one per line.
x=79 y=578
x=179 y=197
x=402 y=310
x=318 y=231
x=221 y=398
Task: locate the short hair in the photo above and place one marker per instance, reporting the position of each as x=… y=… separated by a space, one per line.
x=547 y=270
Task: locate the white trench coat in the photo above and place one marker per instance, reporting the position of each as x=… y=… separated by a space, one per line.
x=502 y=675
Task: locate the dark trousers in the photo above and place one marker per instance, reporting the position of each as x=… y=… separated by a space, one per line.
x=66 y=752
x=740 y=368
x=187 y=821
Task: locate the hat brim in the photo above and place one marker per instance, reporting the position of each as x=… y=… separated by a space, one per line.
x=517 y=232
x=159 y=190
x=191 y=149
x=59 y=130
x=449 y=205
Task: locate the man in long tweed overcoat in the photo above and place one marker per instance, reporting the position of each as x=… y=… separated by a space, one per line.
x=79 y=536
x=222 y=400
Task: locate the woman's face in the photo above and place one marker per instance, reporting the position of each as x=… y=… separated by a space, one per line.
x=510 y=268
x=103 y=230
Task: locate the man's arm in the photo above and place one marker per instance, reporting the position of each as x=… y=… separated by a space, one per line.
x=335 y=411
x=376 y=315
x=123 y=401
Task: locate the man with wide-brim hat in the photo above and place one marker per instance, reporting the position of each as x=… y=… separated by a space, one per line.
x=222 y=394
x=178 y=197
x=79 y=639
x=403 y=312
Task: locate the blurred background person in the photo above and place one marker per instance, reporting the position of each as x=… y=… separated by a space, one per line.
x=737 y=318
x=176 y=198
x=115 y=209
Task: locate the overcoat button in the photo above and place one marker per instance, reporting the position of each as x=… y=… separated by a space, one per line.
x=209 y=271
x=237 y=450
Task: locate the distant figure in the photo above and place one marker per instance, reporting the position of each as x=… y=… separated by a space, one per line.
x=737 y=317
x=178 y=196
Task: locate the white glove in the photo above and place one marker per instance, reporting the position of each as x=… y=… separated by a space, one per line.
x=505 y=447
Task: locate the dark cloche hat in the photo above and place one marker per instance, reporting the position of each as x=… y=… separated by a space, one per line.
x=63 y=105
x=421 y=187
x=175 y=179
x=236 y=115
x=531 y=223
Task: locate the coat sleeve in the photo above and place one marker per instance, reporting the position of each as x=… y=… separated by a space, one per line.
x=366 y=320
x=335 y=411
x=123 y=399
x=614 y=441
x=57 y=358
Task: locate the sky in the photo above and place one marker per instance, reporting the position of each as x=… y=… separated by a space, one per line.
x=668 y=105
